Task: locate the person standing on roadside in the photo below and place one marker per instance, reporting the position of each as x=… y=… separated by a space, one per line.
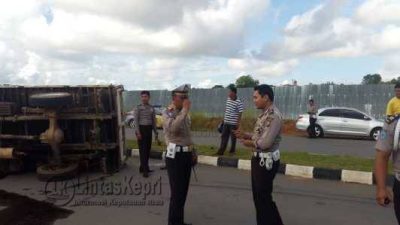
x=312 y=112
x=233 y=114
x=264 y=143
x=145 y=123
x=387 y=146
x=180 y=152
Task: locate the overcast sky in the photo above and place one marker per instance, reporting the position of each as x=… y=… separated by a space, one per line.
x=160 y=44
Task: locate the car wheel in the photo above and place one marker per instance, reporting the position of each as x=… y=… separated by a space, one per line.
x=318 y=131
x=375 y=133
x=132 y=124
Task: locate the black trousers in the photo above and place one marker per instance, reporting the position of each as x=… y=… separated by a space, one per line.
x=227 y=131
x=312 y=127
x=396 y=200
x=179 y=171
x=262 y=185
x=145 y=147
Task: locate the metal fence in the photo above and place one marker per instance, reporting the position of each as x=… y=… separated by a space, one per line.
x=292 y=101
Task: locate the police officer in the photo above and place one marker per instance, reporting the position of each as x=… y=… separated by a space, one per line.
x=264 y=142
x=386 y=146
x=312 y=112
x=176 y=124
x=145 y=123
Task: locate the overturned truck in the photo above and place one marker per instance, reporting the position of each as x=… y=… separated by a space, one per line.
x=56 y=130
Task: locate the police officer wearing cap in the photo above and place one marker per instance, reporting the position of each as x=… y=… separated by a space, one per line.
x=264 y=142
x=386 y=146
x=179 y=156
x=145 y=123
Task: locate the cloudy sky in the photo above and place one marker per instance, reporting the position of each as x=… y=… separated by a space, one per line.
x=159 y=44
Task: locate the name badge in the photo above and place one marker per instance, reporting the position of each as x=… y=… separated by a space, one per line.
x=171 y=151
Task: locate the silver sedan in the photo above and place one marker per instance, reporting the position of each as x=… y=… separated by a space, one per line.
x=342 y=121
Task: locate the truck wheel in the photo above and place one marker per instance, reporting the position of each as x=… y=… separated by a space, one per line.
x=109 y=163
x=55 y=99
x=50 y=172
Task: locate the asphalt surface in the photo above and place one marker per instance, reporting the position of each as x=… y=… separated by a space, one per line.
x=221 y=196
x=359 y=147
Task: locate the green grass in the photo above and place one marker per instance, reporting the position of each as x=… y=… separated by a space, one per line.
x=202 y=122
x=297 y=158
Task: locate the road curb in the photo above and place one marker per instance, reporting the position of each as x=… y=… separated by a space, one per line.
x=309 y=172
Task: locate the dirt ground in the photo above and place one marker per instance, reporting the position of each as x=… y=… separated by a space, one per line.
x=289 y=128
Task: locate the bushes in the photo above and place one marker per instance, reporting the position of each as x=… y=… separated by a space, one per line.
x=200 y=122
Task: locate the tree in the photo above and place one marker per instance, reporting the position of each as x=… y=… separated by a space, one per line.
x=394 y=81
x=217 y=86
x=246 y=81
x=230 y=85
x=372 y=79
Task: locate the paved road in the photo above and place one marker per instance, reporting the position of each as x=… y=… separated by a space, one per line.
x=221 y=196
x=331 y=146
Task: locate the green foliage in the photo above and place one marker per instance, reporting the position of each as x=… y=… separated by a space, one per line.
x=217 y=86
x=372 y=79
x=230 y=85
x=394 y=81
x=202 y=122
x=246 y=81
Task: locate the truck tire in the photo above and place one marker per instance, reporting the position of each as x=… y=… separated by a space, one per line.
x=55 y=99
x=49 y=172
x=110 y=162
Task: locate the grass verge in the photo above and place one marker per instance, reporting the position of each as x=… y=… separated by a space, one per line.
x=297 y=158
x=202 y=122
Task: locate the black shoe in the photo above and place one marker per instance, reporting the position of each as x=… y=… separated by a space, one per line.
x=145 y=174
x=163 y=167
x=231 y=153
x=150 y=171
x=218 y=154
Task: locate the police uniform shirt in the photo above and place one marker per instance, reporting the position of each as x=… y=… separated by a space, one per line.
x=144 y=116
x=312 y=109
x=177 y=127
x=385 y=143
x=267 y=132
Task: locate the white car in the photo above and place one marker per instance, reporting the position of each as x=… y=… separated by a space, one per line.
x=342 y=121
